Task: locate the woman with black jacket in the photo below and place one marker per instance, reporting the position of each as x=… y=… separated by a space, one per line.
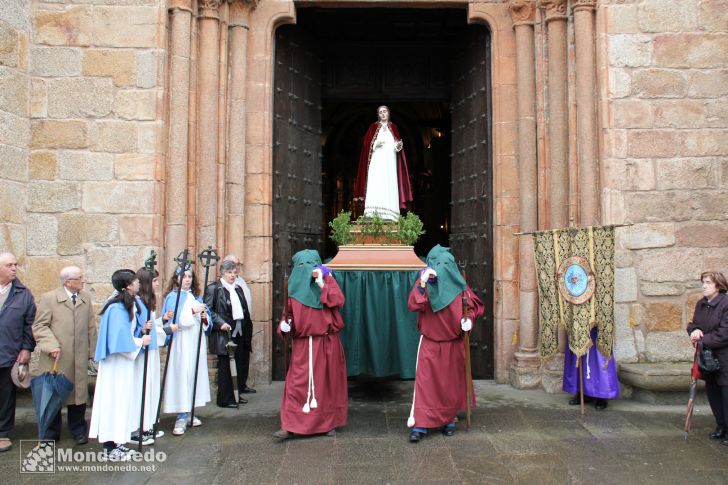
x=710 y=325
x=231 y=316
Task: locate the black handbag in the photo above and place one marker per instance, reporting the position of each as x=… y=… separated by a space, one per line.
x=707 y=363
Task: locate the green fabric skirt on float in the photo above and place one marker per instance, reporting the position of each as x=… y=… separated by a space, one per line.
x=380 y=335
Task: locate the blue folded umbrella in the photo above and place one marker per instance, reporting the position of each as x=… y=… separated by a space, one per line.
x=50 y=390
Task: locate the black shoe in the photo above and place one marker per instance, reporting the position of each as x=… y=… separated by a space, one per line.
x=144 y=438
x=242 y=401
x=724 y=442
x=416 y=436
x=574 y=401
x=228 y=405
x=601 y=404
x=719 y=433
x=80 y=440
x=248 y=390
x=448 y=430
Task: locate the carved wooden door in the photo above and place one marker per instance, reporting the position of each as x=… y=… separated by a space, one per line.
x=471 y=179
x=297 y=199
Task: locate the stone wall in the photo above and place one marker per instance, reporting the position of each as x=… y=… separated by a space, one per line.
x=96 y=72
x=14 y=124
x=664 y=165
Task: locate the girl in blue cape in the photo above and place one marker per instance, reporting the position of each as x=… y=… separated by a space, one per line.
x=116 y=350
x=192 y=318
x=148 y=322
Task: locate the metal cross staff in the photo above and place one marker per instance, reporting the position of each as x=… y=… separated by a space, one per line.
x=149 y=265
x=207 y=258
x=183 y=264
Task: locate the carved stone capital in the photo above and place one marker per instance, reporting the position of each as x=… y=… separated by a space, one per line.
x=210 y=9
x=240 y=13
x=577 y=5
x=184 y=5
x=522 y=11
x=554 y=9
x=210 y=4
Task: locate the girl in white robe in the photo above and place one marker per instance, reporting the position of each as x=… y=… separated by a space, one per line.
x=116 y=350
x=146 y=323
x=192 y=318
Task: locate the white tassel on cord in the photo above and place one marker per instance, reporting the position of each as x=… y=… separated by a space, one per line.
x=588 y=370
x=309 y=403
x=411 y=419
x=314 y=403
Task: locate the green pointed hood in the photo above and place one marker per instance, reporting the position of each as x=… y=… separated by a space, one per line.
x=301 y=286
x=449 y=283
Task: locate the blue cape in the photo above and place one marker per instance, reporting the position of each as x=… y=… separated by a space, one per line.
x=114 y=333
x=169 y=302
x=141 y=319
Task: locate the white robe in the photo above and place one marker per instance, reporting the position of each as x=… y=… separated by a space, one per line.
x=153 y=382
x=382 y=196
x=181 y=373
x=113 y=407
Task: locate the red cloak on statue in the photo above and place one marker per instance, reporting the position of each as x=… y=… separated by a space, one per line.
x=403 y=181
x=329 y=366
x=440 y=377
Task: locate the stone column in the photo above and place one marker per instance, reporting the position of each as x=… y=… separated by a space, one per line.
x=558 y=148
x=586 y=98
x=180 y=26
x=235 y=172
x=557 y=109
x=207 y=147
x=524 y=372
x=222 y=125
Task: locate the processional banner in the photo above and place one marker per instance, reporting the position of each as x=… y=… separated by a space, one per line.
x=575 y=270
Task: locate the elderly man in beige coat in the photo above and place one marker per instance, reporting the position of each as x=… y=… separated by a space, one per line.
x=65 y=329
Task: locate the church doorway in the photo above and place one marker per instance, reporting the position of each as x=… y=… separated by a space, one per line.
x=331 y=72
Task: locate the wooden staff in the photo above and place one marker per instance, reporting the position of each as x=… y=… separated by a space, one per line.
x=468 y=372
x=286 y=313
x=581 y=384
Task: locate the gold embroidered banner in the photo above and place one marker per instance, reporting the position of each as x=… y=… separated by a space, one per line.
x=575 y=271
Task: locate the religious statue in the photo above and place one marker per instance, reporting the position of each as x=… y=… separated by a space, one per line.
x=382 y=181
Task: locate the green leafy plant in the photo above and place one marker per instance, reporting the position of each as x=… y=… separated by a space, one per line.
x=410 y=229
x=406 y=230
x=341 y=229
x=373 y=226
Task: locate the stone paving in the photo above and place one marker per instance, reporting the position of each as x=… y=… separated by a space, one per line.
x=516 y=437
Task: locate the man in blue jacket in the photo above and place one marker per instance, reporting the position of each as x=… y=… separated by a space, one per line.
x=17 y=312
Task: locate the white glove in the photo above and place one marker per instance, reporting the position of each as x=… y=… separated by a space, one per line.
x=426 y=274
x=466 y=324
x=285 y=326
x=319 y=276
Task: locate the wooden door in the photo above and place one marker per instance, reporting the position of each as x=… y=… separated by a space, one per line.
x=471 y=225
x=297 y=199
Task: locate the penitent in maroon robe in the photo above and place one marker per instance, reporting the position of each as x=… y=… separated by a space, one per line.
x=403 y=181
x=440 y=377
x=329 y=366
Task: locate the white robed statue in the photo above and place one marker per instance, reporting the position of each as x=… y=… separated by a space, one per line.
x=383 y=179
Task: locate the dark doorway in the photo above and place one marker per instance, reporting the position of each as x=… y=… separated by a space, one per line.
x=433 y=71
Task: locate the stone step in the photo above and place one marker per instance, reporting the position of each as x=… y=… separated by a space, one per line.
x=659 y=382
